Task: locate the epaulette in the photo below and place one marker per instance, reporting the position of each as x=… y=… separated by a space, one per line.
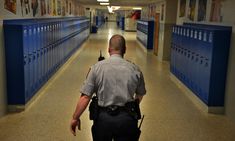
x=130 y=61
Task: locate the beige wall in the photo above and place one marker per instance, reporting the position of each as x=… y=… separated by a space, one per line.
x=170 y=11
x=161 y=31
x=228 y=17
x=2 y=69
x=228 y=8
x=2 y=75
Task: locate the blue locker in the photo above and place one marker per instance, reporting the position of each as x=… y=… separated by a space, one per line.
x=31 y=58
x=26 y=61
x=16 y=61
x=172 y=50
x=43 y=52
x=38 y=56
x=201 y=61
x=40 y=40
x=34 y=56
x=40 y=47
x=145 y=33
x=187 y=56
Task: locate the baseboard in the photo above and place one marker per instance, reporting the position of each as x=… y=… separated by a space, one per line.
x=196 y=101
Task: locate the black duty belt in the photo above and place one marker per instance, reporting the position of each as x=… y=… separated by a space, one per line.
x=113 y=109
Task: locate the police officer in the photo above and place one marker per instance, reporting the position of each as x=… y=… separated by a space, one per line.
x=115 y=82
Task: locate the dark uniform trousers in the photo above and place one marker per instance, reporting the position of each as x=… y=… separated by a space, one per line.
x=121 y=127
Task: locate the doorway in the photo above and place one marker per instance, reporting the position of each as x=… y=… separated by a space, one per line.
x=156 y=33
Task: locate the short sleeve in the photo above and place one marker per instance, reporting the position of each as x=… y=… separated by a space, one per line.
x=141 y=86
x=88 y=87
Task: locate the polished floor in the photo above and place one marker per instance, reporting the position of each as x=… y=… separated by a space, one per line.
x=169 y=114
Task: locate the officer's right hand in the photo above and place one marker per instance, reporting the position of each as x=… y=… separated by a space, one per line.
x=75 y=123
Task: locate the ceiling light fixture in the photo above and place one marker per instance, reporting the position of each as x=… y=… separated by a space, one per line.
x=110 y=9
x=103 y=0
x=137 y=8
x=104 y=3
x=115 y=7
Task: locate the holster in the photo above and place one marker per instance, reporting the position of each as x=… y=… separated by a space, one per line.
x=133 y=109
x=94 y=108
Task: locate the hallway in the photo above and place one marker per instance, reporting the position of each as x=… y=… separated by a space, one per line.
x=169 y=114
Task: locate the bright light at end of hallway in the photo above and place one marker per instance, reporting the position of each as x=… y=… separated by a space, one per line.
x=111 y=9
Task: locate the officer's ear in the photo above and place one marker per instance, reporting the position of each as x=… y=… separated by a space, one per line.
x=124 y=50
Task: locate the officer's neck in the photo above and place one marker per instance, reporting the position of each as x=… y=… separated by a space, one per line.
x=116 y=54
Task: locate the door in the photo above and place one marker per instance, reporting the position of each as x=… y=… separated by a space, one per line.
x=156 y=33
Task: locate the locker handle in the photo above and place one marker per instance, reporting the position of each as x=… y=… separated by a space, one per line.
x=201 y=62
x=192 y=57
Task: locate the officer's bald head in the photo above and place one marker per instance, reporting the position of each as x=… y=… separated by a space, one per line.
x=117 y=44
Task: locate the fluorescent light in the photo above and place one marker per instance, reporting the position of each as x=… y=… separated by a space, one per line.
x=110 y=9
x=115 y=7
x=137 y=8
x=103 y=0
x=104 y=3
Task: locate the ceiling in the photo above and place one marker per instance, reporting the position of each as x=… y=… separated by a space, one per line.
x=120 y=2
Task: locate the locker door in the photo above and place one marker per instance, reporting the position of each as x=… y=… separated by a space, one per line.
x=172 y=50
x=206 y=67
x=41 y=54
x=26 y=62
x=183 y=54
x=38 y=57
x=187 y=57
x=197 y=57
x=31 y=65
x=192 y=60
x=200 y=61
x=34 y=46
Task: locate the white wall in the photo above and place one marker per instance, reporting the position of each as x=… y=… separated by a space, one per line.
x=227 y=13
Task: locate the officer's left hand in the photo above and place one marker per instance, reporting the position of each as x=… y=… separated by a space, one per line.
x=75 y=123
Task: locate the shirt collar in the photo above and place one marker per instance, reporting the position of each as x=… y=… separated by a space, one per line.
x=116 y=56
